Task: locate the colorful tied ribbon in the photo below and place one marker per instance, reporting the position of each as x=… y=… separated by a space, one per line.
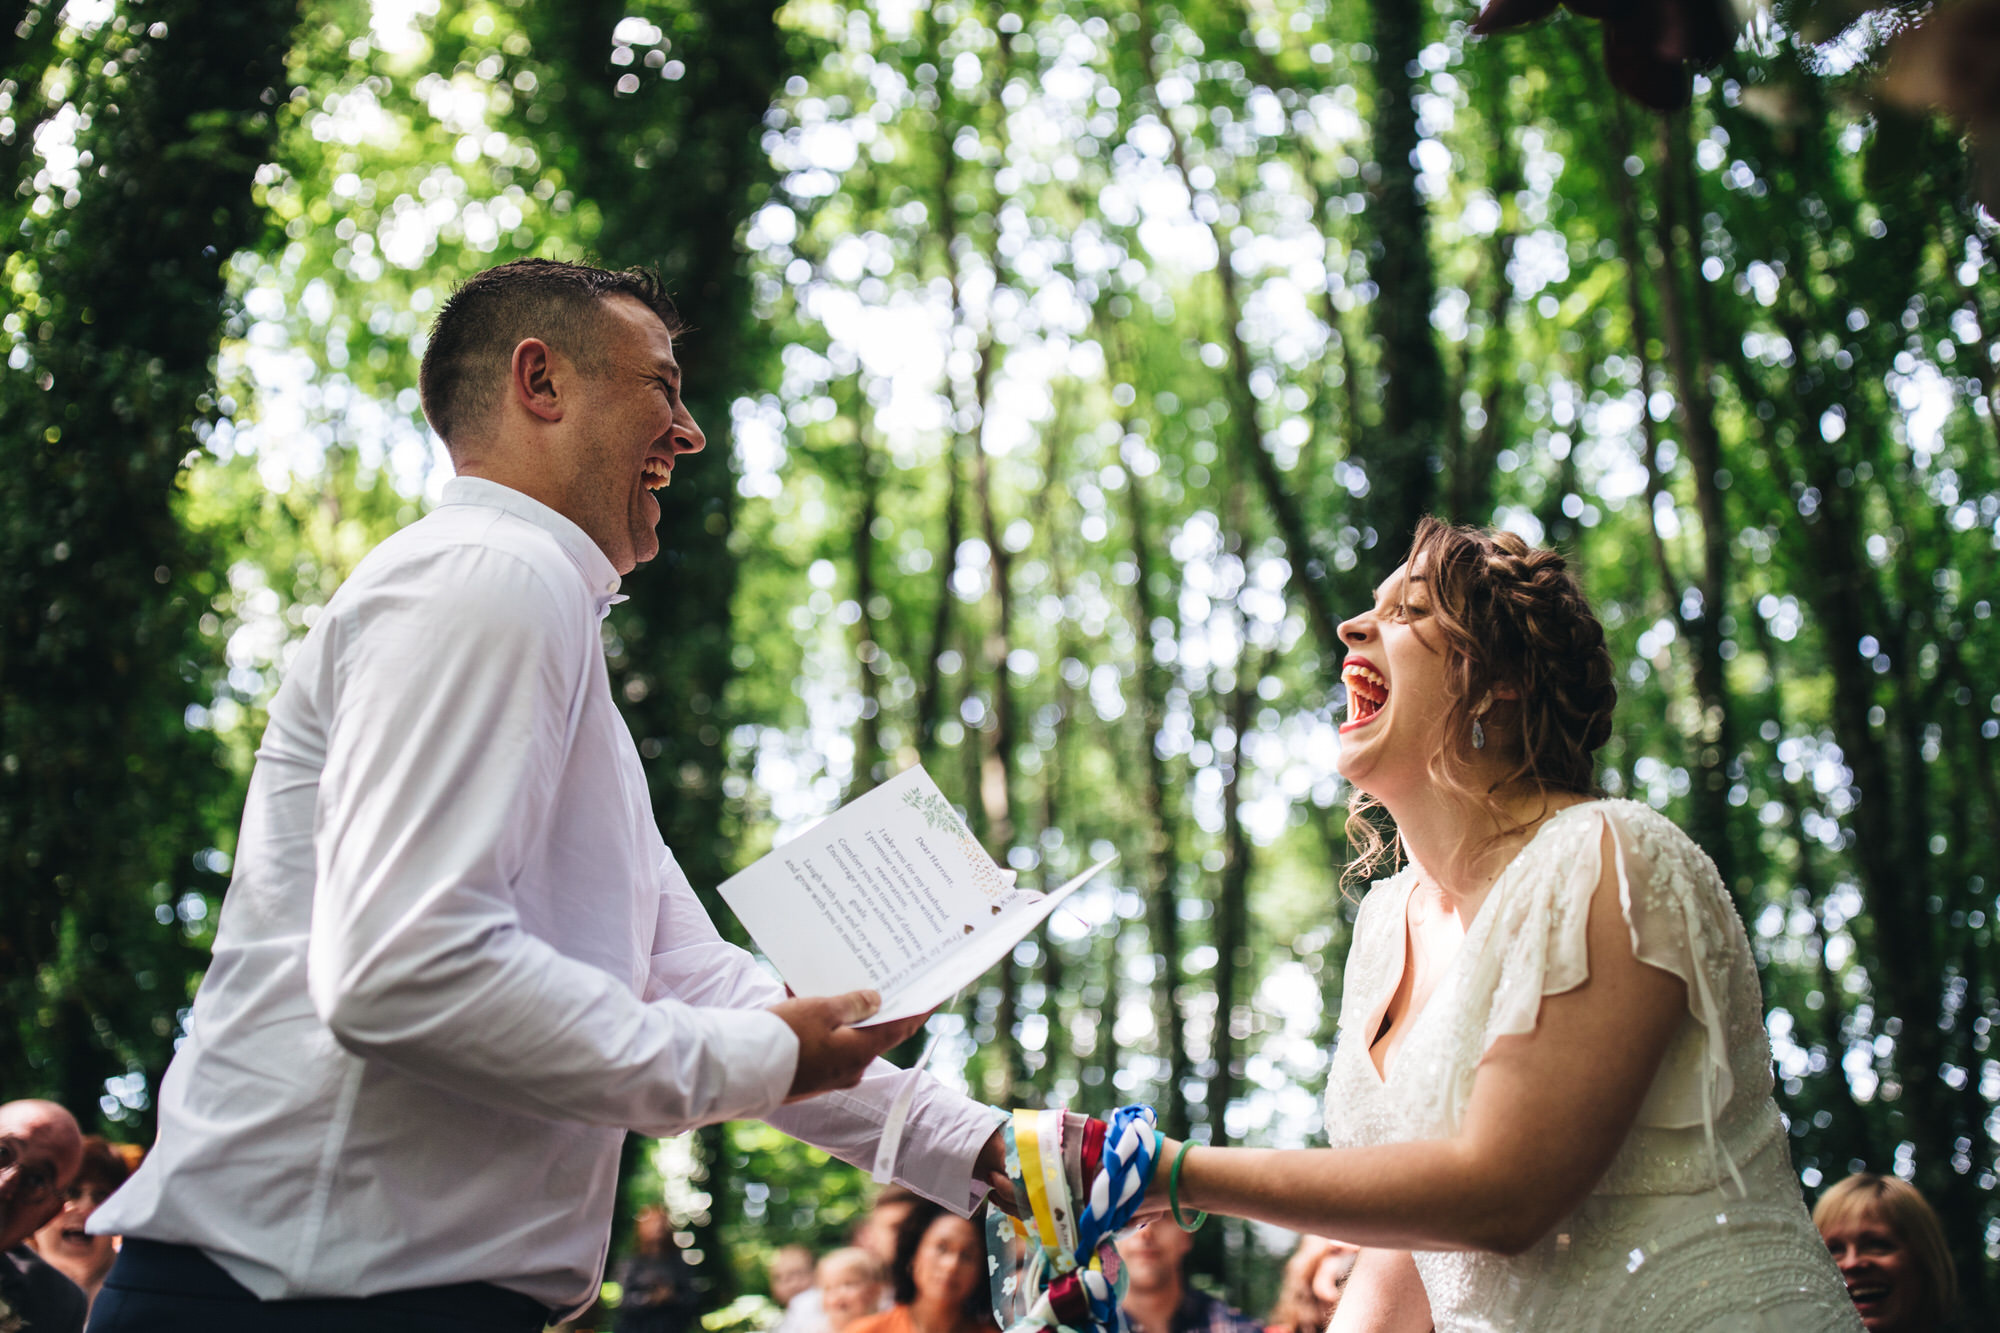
x=1069 y=1278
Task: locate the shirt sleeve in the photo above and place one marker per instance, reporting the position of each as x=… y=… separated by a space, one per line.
x=456 y=686
x=946 y=1129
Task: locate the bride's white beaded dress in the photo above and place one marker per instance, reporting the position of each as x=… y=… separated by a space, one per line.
x=1698 y=1224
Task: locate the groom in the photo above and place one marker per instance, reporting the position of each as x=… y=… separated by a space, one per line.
x=456 y=963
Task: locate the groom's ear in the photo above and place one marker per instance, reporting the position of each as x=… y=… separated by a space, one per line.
x=538 y=379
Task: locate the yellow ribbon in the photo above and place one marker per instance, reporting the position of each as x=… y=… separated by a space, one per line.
x=1028 y=1143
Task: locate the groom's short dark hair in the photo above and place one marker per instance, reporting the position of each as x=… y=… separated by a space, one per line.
x=473 y=341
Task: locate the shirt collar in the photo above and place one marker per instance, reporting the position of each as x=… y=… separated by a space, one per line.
x=588 y=557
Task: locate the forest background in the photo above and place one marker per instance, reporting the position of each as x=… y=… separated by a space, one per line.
x=1069 y=369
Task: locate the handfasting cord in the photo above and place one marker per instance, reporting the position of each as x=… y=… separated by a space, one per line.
x=1072 y=1280
x=1131 y=1154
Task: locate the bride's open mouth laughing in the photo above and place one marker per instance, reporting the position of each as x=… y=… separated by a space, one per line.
x=1868 y=1297
x=1367 y=692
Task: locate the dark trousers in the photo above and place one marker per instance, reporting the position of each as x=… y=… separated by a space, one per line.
x=155 y=1288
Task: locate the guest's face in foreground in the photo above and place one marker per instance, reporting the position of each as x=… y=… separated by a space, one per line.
x=1397 y=690
x=1153 y=1255
x=950 y=1261
x=83 y=1259
x=1881 y=1279
x=39 y=1152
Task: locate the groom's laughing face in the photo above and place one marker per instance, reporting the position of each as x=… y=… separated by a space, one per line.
x=633 y=426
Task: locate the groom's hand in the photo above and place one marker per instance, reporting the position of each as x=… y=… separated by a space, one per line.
x=990 y=1170
x=833 y=1054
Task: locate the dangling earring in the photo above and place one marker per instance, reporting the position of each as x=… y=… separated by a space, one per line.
x=1478 y=731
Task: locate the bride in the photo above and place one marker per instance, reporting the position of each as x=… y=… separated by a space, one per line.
x=1550 y=1103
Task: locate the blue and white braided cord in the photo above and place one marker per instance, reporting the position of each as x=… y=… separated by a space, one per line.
x=1131 y=1145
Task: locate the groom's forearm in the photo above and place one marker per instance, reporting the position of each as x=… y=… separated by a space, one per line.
x=945 y=1140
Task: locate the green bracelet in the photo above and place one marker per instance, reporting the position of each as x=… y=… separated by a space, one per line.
x=1174 y=1193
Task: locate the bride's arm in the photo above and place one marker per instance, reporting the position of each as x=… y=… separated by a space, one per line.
x=1383 y=1295
x=1547 y=1113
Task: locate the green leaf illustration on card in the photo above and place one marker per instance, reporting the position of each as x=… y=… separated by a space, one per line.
x=939 y=815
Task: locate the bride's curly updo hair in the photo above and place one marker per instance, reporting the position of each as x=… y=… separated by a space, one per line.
x=1519 y=637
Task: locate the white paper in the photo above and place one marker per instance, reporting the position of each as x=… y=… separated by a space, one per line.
x=889 y=893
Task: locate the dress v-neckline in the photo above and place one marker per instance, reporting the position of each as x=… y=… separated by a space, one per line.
x=1371 y=1033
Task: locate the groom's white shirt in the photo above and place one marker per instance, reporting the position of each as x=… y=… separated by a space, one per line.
x=456 y=962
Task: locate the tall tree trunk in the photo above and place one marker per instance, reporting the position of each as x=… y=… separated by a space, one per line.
x=1473 y=467
x=1701 y=617
x=996 y=788
x=1847 y=1138
x=1055 y=764
x=1309 y=568
x=1401 y=454
x=1232 y=910
x=1632 y=252
x=122 y=298
x=996 y=778
x=1161 y=862
x=869 y=661
x=637 y=154
x=930 y=696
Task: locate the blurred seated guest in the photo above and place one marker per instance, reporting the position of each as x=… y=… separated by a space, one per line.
x=791 y=1274
x=1314 y=1277
x=1159 y=1298
x=876 y=1233
x=79 y=1256
x=659 y=1292
x=938 y=1276
x=852 y=1285
x=1890 y=1250
x=792 y=1286
x=40 y=1149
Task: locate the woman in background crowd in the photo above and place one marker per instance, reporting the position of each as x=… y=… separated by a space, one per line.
x=63 y=1244
x=1890 y=1250
x=939 y=1276
x=852 y=1286
x=1314 y=1277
